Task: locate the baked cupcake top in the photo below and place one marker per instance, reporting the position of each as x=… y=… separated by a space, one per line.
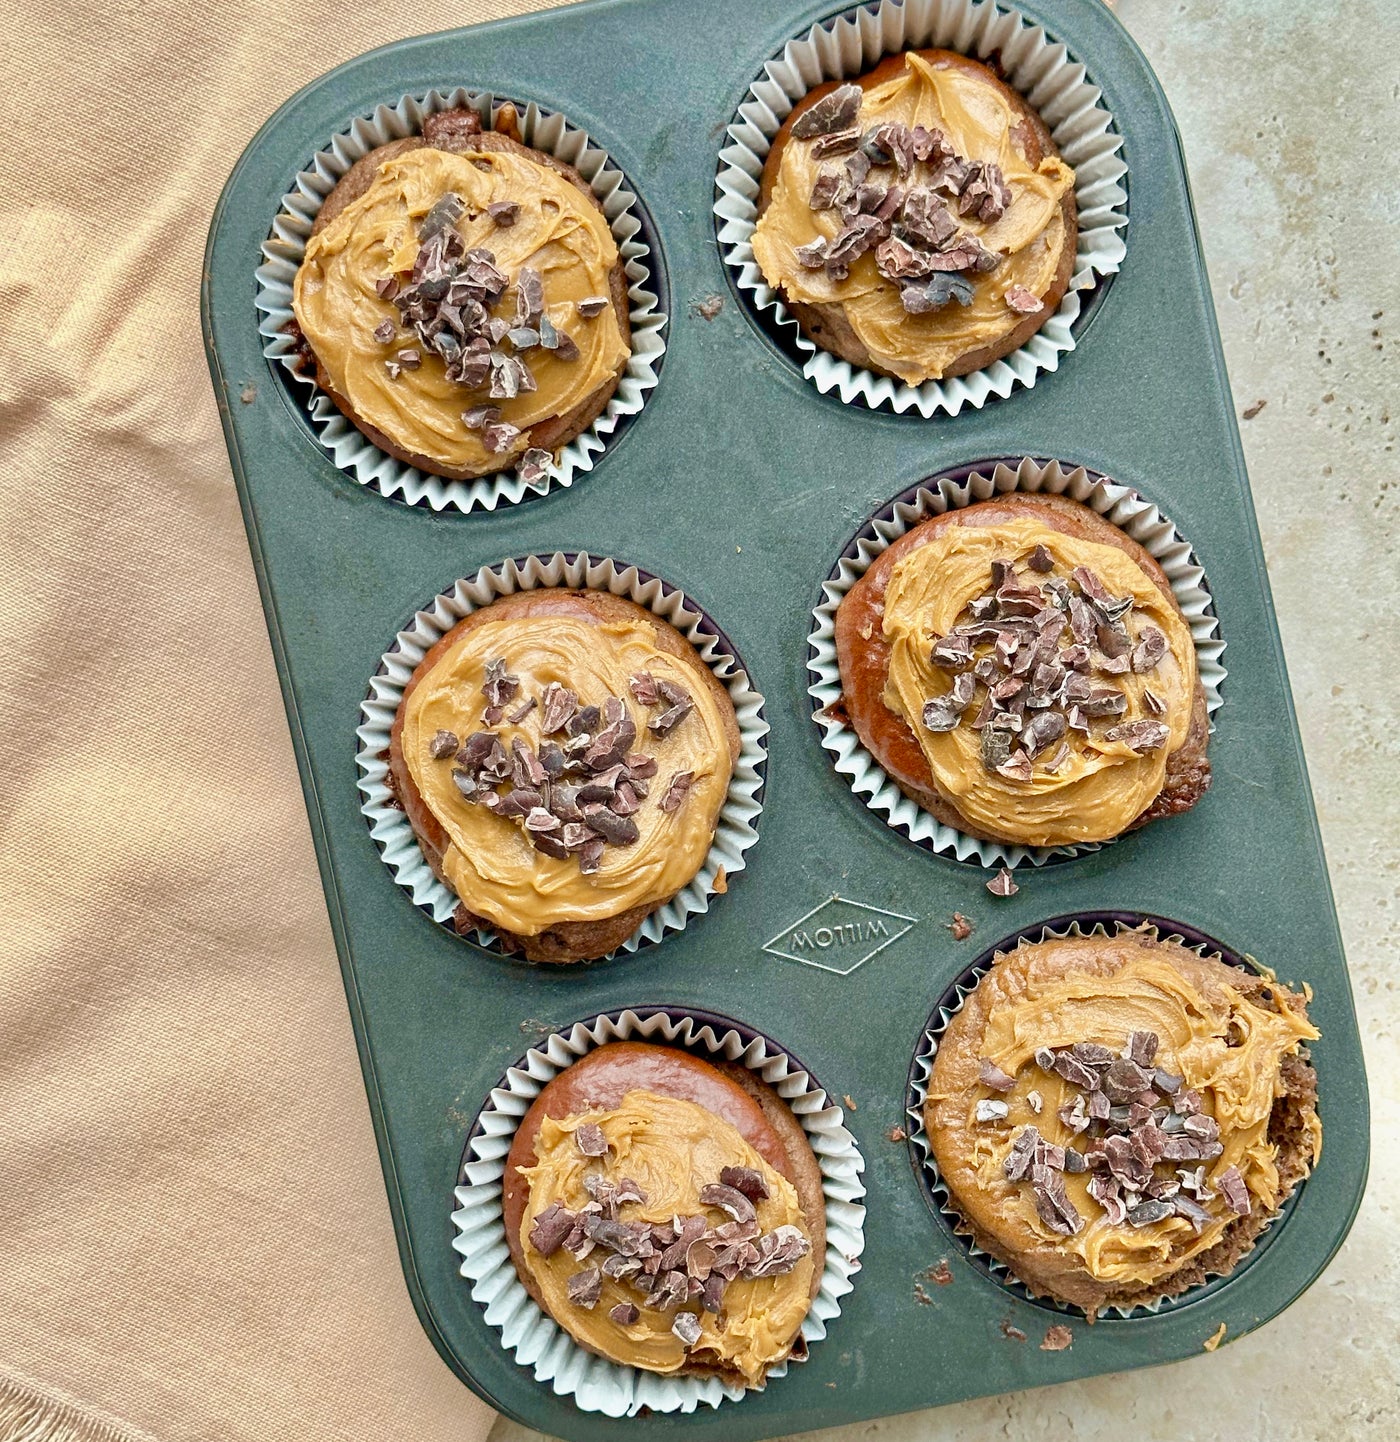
x=576 y=767
x=1108 y=1111
x=660 y=1238
x=462 y=298
x=1045 y=676
x=924 y=208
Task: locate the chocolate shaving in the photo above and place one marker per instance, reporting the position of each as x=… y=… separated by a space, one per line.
x=624 y=1314
x=643 y=686
x=1140 y=735
x=558 y=706
x=443 y=745
x=590 y=1140
x=499 y=687
x=1002 y=884
x=921 y=297
x=1193 y=1211
x=729 y=1199
x=504 y=212
x=925 y=218
x=827 y=188
x=550 y=1228
x=534 y=465
x=1151 y=647
x=778 y=1252
x=479 y=417
x=991 y=1075
x=669 y=719
x=1022 y=301
x=746 y=1180
x=1020 y=1154
x=585 y=1288
x=1230 y=1185
x=839 y=142
x=850 y=243
x=676 y=791
x=836 y=110
x=983 y=192
x=1054 y=1207
x=1148 y=1212
x=499 y=436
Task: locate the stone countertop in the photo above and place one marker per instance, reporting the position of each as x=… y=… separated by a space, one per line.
x=1300 y=238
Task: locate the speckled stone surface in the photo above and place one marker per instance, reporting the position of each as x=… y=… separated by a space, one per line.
x=1288 y=114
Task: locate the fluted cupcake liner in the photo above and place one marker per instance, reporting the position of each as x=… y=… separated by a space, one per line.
x=1041 y=68
x=389 y=827
x=922 y=1069
x=351 y=450
x=1121 y=505
x=539 y=1343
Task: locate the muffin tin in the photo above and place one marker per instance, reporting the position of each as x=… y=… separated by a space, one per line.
x=741 y=484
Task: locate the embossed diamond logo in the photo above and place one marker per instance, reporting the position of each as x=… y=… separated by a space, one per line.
x=839 y=935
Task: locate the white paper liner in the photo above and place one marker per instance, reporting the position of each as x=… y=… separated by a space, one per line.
x=349 y=447
x=596 y=1385
x=1119 y=504
x=918 y=1134
x=389 y=826
x=1039 y=67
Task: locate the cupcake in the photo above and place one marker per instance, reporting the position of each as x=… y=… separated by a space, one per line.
x=919 y=221
x=667 y=1212
x=463 y=300
x=563 y=757
x=1021 y=669
x=1117 y=1118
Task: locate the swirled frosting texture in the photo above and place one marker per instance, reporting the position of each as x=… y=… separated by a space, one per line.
x=558 y=232
x=488 y=861
x=1104 y=786
x=978 y=121
x=1219 y=1035
x=670 y=1148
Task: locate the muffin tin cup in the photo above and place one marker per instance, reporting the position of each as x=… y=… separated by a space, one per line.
x=538 y=1342
x=954 y=490
x=389 y=826
x=1094 y=924
x=351 y=450
x=1033 y=63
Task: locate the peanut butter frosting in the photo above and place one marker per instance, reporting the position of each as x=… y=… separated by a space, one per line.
x=1102 y=785
x=1030 y=235
x=1218 y=1045
x=556 y=230
x=490 y=861
x=670 y=1150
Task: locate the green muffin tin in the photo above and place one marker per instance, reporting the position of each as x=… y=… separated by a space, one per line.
x=741 y=484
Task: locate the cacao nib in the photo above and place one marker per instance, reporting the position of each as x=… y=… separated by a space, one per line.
x=836 y=110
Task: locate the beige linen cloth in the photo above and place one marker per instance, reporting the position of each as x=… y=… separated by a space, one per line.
x=194 y=1236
